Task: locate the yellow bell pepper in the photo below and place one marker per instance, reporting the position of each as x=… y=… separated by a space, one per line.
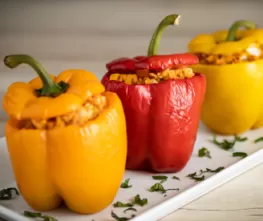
x=66 y=139
x=232 y=62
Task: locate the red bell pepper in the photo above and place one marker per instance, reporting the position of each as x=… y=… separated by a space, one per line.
x=162 y=118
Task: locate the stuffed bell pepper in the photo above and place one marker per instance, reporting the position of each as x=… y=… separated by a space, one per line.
x=66 y=139
x=232 y=62
x=162 y=99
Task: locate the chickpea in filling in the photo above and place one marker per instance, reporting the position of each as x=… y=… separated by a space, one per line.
x=253 y=53
x=145 y=77
x=90 y=109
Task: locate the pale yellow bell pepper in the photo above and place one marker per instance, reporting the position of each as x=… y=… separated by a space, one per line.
x=232 y=62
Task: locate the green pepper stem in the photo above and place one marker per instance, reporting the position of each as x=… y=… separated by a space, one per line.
x=155 y=40
x=236 y=25
x=50 y=88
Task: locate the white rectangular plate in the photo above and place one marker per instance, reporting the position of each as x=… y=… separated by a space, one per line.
x=159 y=205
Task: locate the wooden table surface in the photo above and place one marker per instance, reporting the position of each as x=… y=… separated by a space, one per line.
x=86 y=34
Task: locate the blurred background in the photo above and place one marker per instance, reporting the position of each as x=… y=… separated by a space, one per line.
x=88 y=33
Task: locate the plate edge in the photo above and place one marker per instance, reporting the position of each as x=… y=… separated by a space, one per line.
x=160 y=211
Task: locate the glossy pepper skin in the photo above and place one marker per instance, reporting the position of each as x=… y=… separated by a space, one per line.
x=81 y=165
x=233 y=102
x=162 y=119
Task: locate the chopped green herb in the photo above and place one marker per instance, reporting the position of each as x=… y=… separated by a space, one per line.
x=157 y=187
x=131 y=208
x=125 y=184
x=240 y=139
x=203 y=152
x=113 y=215
x=212 y=171
x=120 y=204
x=39 y=215
x=32 y=214
x=139 y=201
x=196 y=177
x=8 y=193
x=136 y=201
x=175 y=178
x=201 y=177
x=260 y=139
x=225 y=144
x=162 y=178
x=158 y=177
x=239 y=154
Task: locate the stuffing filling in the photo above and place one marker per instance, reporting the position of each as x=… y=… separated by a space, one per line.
x=91 y=108
x=145 y=77
x=251 y=54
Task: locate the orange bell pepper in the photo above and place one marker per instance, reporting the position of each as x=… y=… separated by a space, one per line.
x=59 y=149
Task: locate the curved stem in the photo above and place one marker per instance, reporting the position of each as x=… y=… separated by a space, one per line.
x=50 y=88
x=155 y=40
x=235 y=26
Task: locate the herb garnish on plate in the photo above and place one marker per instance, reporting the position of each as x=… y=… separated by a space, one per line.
x=212 y=171
x=204 y=152
x=196 y=177
x=228 y=145
x=38 y=215
x=239 y=154
x=136 y=201
x=159 y=177
x=158 y=187
x=175 y=178
x=200 y=177
x=260 y=139
x=240 y=139
x=125 y=184
x=8 y=193
x=120 y=204
x=225 y=144
x=139 y=201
